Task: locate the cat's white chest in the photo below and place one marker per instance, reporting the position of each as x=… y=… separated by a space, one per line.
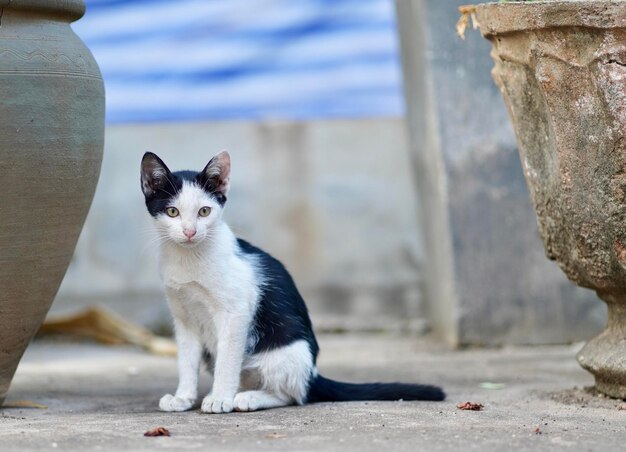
x=205 y=295
x=198 y=311
x=197 y=303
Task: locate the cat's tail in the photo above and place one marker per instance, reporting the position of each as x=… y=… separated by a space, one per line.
x=323 y=389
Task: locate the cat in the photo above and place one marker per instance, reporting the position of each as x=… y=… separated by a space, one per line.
x=236 y=307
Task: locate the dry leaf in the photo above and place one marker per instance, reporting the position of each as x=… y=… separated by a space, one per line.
x=462 y=25
x=467 y=12
x=109 y=328
x=24 y=404
x=470 y=406
x=159 y=431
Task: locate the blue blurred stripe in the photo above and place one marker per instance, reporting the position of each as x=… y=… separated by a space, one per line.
x=166 y=60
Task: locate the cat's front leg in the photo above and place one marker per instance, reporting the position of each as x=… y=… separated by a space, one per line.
x=231 y=347
x=189 y=356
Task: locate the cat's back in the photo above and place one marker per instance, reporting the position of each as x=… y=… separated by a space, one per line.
x=281 y=316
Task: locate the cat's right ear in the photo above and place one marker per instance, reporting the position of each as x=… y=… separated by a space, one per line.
x=154 y=174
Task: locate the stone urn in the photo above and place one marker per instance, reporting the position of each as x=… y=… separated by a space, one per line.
x=51 y=140
x=561 y=68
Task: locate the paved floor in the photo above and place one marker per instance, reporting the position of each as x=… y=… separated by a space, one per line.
x=105 y=398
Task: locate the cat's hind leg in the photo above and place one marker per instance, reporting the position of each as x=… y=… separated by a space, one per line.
x=258 y=400
x=282 y=378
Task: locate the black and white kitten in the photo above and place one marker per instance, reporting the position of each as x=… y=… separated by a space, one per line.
x=236 y=306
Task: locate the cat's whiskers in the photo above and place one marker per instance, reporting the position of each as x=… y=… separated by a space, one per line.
x=150 y=244
x=148 y=231
x=156 y=235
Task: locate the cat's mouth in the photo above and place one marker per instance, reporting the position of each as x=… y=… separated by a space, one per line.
x=188 y=242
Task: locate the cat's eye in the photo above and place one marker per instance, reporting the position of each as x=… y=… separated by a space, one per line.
x=205 y=211
x=171 y=212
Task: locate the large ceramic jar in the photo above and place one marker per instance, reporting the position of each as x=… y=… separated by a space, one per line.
x=51 y=140
x=561 y=68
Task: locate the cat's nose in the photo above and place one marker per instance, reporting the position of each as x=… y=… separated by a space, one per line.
x=189 y=233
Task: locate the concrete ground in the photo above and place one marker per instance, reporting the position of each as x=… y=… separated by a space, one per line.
x=105 y=398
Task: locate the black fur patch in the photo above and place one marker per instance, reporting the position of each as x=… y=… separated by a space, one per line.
x=162 y=197
x=326 y=390
x=281 y=317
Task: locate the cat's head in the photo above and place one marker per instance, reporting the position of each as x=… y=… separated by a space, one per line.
x=185 y=205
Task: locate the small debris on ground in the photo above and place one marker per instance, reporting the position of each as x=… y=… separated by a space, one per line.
x=158 y=431
x=586 y=397
x=490 y=385
x=537 y=431
x=470 y=406
x=275 y=435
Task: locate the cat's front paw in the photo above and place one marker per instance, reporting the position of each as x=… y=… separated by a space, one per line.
x=172 y=403
x=216 y=404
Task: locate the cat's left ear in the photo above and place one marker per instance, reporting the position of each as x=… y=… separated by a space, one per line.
x=215 y=177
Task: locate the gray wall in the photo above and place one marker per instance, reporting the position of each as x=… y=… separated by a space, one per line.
x=334 y=200
x=379 y=231
x=504 y=289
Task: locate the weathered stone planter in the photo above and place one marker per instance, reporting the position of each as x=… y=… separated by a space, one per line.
x=561 y=68
x=51 y=139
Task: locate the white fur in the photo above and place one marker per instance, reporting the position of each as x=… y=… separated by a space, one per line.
x=283 y=372
x=213 y=294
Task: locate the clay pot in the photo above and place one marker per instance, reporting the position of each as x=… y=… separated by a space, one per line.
x=51 y=140
x=561 y=68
